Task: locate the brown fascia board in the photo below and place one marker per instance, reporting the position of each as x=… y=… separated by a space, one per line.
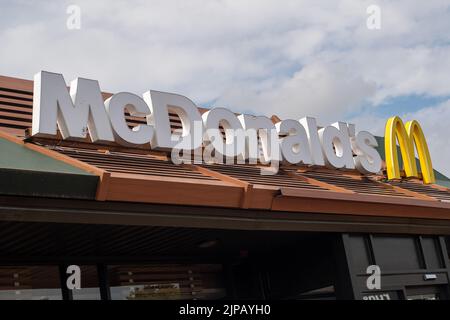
x=167 y=190
x=182 y=191
x=358 y=208
x=321 y=194
x=291 y=199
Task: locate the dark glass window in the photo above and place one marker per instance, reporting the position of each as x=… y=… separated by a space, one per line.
x=30 y=283
x=432 y=252
x=89 y=284
x=165 y=282
x=426 y=293
x=397 y=253
x=359 y=253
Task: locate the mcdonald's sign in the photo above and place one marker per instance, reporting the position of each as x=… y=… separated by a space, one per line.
x=408 y=135
x=336 y=146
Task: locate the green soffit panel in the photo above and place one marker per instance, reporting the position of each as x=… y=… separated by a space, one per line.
x=15 y=156
x=27 y=172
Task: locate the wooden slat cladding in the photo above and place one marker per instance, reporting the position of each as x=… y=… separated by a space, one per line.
x=133 y=163
x=358 y=184
x=431 y=191
x=16 y=99
x=15 y=110
x=16 y=84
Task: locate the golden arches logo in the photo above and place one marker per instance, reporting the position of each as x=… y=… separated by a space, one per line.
x=408 y=136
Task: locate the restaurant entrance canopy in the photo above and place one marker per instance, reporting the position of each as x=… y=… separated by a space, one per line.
x=145 y=172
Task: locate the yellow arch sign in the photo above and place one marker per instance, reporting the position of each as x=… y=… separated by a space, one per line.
x=408 y=135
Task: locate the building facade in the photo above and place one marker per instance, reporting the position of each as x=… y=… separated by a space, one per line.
x=141 y=227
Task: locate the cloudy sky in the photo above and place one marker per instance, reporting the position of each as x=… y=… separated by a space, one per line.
x=290 y=58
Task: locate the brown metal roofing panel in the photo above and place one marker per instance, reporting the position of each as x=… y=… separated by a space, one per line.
x=162 y=173
x=252 y=174
x=128 y=170
x=359 y=184
x=15 y=110
x=132 y=163
x=439 y=193
x=154 y=179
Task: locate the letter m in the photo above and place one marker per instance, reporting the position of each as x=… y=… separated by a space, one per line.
x=408 y=136
x=74 y=113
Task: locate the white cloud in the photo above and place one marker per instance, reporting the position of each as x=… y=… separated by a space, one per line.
x=204 y=48
x=316 y=90
x=290 y=57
